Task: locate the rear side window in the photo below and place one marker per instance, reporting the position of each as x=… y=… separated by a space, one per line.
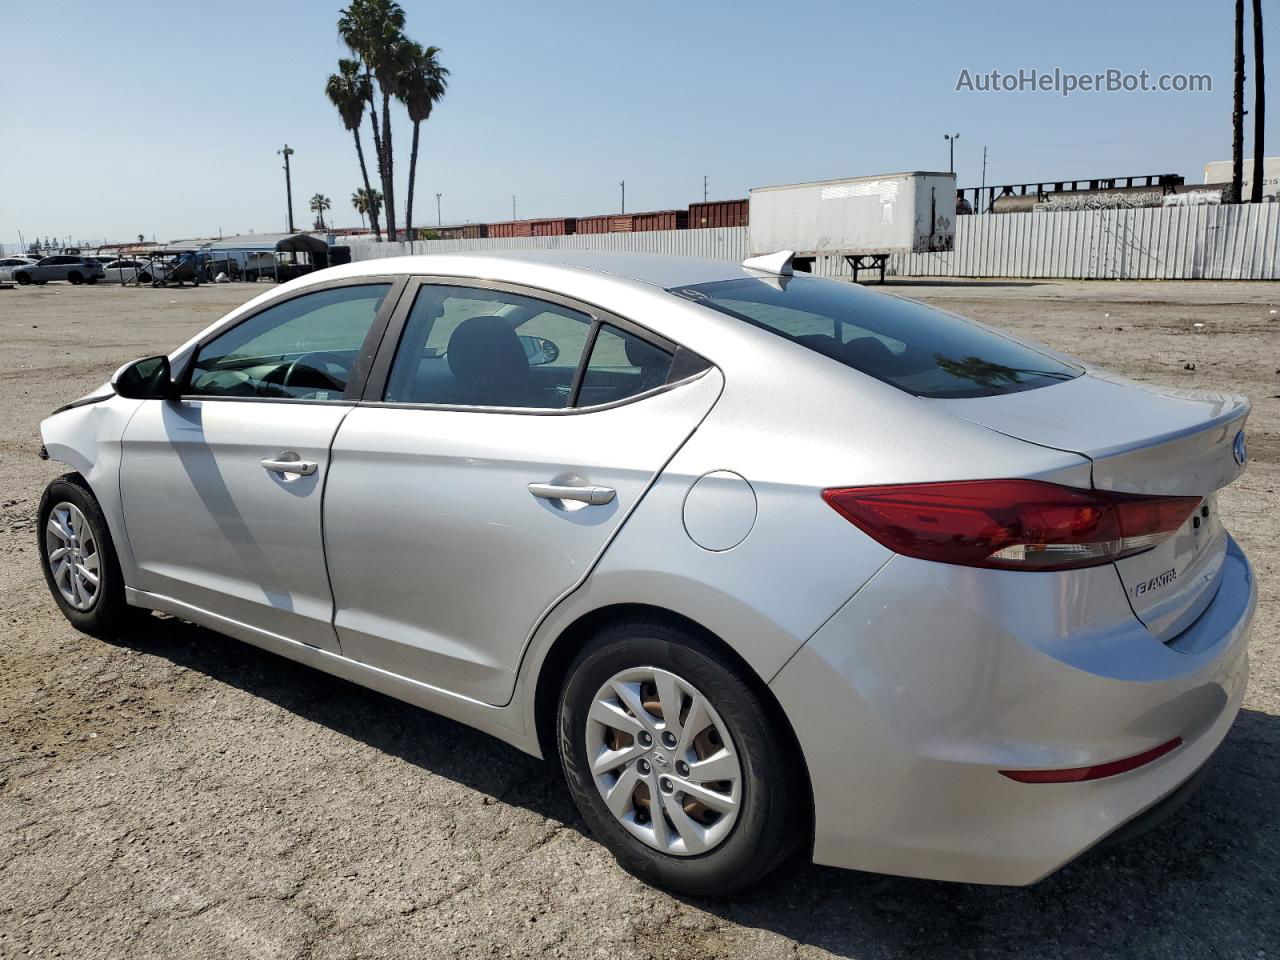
x=487 y=348
x=621 y=365
x=914 y=347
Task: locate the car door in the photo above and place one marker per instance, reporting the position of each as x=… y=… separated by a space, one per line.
x=504 y=437
x=222 y=489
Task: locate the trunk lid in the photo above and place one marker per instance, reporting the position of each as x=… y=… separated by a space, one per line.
x=1145 y=440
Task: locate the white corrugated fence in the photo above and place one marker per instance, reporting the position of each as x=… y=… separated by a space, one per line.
x=1175 y=243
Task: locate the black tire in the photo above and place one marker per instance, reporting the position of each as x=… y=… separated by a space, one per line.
x=23 y=278
x=91 y=280
x=144 y=277
x=74 y=279
x=109 y=614
x=771 y=819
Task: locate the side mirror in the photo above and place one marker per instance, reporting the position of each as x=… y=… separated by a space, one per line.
x=539 y=350
x=146 y=379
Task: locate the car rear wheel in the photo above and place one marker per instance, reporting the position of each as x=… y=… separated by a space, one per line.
x=79 y=559
x=91 y=280
x=74 y=279
x=676 y=760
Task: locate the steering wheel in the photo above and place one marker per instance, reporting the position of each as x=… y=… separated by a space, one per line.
x=314 y=361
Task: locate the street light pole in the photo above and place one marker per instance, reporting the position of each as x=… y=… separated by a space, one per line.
x=439 y=222
x=623 y=185
x=287 y=152
x=704 y=188
x=951 y=139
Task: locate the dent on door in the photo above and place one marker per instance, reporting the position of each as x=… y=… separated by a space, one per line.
x=445 y=538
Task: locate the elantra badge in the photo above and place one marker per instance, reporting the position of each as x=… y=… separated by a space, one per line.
x=1155 y=583
x=1239 y=449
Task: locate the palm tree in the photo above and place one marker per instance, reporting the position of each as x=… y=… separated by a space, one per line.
x=367 y=201
x=421 y=87
x=319 y=204
x=374 y=31
x=1259 y=103
x=349 y=90
x=1237 y=110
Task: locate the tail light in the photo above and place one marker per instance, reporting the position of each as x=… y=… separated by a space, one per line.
x=1010 y=524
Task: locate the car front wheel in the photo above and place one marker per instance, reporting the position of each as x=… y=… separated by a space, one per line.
x=79 y=559
x=677 y=762
x=23 y=278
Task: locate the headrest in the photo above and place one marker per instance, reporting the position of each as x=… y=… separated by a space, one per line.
x=486 y=350
x=641 y=354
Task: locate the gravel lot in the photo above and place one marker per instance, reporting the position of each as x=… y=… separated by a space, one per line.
x=182 y=795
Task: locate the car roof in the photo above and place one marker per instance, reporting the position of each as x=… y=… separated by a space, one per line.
x=662 y=270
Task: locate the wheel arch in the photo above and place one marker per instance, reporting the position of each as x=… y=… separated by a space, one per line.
x=560 y=654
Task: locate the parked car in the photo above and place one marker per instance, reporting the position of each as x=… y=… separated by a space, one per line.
x=129 y=271
x=10 y=264
x=766 y=562
x=73 y=269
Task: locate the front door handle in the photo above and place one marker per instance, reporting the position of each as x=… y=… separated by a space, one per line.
x=303 y=468
x=561 y=491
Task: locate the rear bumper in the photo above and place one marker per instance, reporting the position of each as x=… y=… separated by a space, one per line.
x=933 y=678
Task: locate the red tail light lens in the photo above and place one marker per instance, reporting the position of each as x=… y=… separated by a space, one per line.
x=1010 y=524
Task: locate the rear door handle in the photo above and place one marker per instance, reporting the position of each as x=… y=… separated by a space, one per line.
x=559 y=491
x=303 y=468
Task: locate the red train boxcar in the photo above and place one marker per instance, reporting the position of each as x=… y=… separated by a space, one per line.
x=718 y=213
x=660 y=220
x=606 y=223
x=465 y=231
x=511 y=228
x=558 y=227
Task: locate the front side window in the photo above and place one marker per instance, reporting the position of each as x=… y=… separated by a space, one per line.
x=304 y=348
x=475 y=347
x=914 y=347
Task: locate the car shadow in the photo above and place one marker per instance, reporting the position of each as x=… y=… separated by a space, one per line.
x=1205 y=882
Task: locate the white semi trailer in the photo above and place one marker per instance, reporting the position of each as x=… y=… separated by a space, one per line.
x=1219 y=171
x=862 y=219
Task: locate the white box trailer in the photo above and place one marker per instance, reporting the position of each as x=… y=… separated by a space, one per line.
x=862 y=219
x=1219 y=171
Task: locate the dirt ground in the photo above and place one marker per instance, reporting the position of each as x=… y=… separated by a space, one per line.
x=183 y=795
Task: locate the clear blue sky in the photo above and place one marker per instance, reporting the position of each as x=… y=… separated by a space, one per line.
x=164 y=119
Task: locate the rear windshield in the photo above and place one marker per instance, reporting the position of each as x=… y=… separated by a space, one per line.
x=914 y=347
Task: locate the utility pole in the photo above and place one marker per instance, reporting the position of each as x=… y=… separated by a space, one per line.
x=1237 y=111
x=951 y=139
x=287 y=152
x=623 y=185
x=704 y=188
x=1259 y=104
x=439 y=222
x=513 y=206
x=984 y=181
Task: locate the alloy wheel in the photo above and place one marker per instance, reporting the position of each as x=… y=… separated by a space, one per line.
x=663 y=761
x=73 y=556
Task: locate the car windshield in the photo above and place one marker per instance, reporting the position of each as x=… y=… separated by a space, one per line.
x=916 y=348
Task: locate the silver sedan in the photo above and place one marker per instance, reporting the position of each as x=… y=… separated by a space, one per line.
x=769 y=563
